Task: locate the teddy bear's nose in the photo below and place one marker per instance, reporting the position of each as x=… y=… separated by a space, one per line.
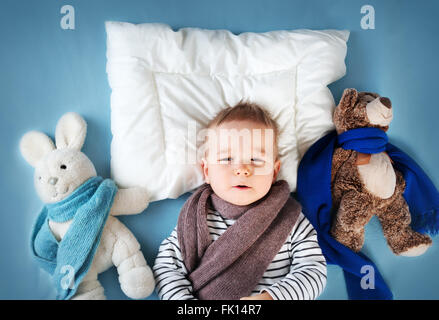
x=53 y=180
x=386 y=102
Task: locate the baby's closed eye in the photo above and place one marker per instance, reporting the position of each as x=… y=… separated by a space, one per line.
x=258 y=161
x=225 y=160
x=255 y=161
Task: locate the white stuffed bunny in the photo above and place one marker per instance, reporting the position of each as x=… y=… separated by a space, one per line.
x=64 y=177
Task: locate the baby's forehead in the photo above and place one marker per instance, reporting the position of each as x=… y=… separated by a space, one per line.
x=253 y=133
x=237 y=127
x=240 y=134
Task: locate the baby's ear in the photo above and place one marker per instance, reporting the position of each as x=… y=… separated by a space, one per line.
x=277 y=165
x=205 y=169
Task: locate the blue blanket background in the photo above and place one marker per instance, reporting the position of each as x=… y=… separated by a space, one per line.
x=65 y=70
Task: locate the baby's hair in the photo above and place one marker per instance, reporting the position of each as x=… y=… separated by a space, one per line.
x=249 y=111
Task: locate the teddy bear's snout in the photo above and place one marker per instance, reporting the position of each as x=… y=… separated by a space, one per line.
x=53 y=180
x=379 y=111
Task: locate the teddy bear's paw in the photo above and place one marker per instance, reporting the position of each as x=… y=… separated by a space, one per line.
x=137 y=283
x=417 y=245
x=416 y=251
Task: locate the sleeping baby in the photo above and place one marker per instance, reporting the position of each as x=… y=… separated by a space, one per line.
x=241 y=235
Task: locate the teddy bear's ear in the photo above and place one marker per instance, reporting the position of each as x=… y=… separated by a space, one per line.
x=34 y=146
x=70 y=131
x=349 y=98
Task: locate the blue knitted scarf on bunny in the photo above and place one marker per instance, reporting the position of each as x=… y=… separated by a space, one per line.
x=314 y=193
x=69 y=260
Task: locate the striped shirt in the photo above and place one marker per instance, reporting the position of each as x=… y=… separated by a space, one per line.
x=297 y=272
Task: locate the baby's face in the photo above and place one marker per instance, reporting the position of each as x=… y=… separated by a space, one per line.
x=241 y=163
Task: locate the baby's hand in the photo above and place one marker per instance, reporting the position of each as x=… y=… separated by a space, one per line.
x=262 y=296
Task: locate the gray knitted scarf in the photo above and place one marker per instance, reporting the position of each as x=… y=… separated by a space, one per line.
x=231 y=267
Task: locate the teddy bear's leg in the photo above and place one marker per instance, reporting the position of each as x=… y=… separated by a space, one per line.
x=401 y=238
x=353 y=214
x=135 y=276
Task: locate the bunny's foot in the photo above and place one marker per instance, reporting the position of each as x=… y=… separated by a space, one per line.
x=135 y=277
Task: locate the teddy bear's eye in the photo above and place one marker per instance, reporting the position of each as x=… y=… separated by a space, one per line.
x=63 y=166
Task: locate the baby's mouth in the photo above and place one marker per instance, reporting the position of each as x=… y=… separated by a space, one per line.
x=241 y=187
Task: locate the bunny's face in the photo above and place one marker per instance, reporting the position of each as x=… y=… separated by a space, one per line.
x=58 y=170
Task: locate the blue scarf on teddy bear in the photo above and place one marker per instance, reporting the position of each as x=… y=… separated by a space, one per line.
x=69 y=260
x=314 y=193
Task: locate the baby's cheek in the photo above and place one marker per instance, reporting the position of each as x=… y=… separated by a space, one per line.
x=264 y=171
x=217 y=174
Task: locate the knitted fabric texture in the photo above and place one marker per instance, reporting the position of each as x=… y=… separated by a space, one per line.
x=89 y=206
x=230 y=267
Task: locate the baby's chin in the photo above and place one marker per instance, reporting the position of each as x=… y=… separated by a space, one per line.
x=242 y=199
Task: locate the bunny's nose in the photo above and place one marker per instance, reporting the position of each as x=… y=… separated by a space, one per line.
x=53 y=180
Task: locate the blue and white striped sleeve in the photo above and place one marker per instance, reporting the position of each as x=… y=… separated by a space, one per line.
x=170 y=273
x=307 y=276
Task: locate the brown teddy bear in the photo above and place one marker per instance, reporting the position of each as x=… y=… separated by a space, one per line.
x=366 y=184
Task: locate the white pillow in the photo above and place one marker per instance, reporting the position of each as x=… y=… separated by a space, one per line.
x=165 y=83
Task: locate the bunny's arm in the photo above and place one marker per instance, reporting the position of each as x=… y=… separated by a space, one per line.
x=130 y=201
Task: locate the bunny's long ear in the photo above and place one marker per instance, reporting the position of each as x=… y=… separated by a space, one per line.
x=70 y=131
x=34 y=146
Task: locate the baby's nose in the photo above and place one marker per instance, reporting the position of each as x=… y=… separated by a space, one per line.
x=243 y=170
